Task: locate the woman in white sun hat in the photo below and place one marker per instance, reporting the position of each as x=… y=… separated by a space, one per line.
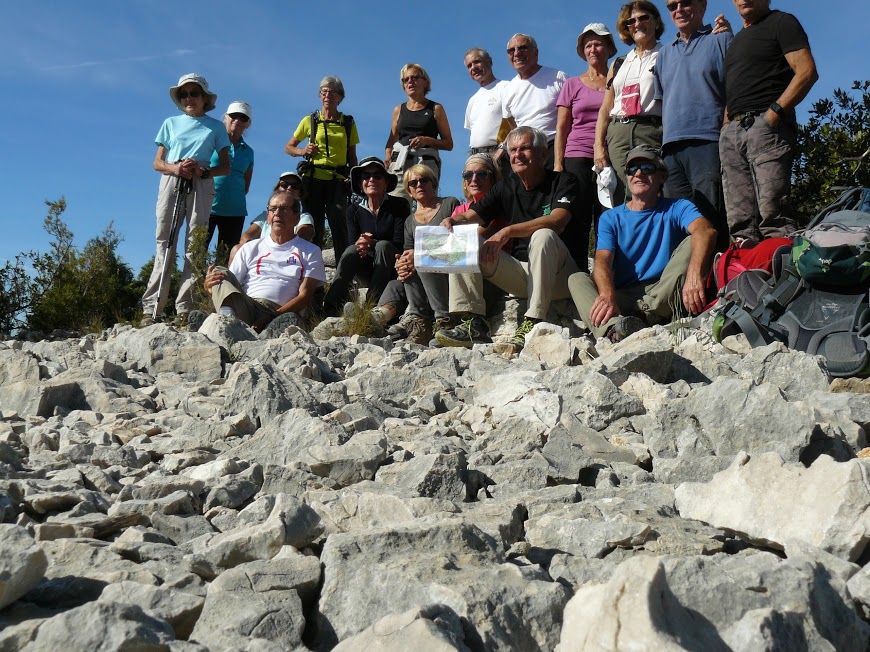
x=230 y=205
x=185 y=144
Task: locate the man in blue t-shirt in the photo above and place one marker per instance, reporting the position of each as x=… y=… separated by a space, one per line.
x=643 y=257
x=690 y=82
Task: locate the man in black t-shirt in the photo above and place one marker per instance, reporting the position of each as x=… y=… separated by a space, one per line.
x=546 y=243
x=769 y=69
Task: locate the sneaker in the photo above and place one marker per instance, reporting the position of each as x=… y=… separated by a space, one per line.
x=148 y=321
x=400 y=330
x=381 y=315
x=623 y=328
x=516 y=343
x=472 y=330
x=420 y=331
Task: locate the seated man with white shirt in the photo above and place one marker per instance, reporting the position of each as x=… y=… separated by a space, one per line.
x=270 y=276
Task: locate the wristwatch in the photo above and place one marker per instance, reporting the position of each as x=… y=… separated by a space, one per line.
x=206 y=174
x=777 y=109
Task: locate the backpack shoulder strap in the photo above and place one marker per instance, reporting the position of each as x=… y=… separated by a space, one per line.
x=348 y=125
x=617 y=64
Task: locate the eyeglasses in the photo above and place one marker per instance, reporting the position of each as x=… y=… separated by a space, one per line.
x=329 y=91
x=519 y=48
x=372 y=175
x=293 y=185
x=422 y=181
x=637 y=19
x=241 y=117
x=684 y=4
x=468 y=175
x=183 y=95
x=646 y=168
x=410 y=78
x=280 y=209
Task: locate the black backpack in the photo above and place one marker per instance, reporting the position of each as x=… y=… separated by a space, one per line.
x=817 y=298
x=305 y=166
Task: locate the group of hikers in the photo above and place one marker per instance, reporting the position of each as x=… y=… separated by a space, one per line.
x=669 y=153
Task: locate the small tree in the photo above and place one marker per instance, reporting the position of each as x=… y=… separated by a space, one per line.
x=833 y=150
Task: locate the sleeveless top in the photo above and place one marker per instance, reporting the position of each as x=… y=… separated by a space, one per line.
x=416 y=123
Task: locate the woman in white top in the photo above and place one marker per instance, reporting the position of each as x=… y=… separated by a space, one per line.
x=630 y=115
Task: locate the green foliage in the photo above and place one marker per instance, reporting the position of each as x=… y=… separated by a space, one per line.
x=833 y=150
x=200 y=260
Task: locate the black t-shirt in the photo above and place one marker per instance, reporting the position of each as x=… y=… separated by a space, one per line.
x=756 y=70
x=556 y=190
x=416 y=123
x=388 y=225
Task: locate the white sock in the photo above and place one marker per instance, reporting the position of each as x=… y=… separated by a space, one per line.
x=227 y=311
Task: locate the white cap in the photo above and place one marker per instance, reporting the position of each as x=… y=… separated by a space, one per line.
x=240 y=106
x=605 y=181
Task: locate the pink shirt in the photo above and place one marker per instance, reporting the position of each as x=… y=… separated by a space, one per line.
x=584 y=103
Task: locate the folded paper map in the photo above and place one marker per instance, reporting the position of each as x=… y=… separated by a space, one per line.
x=448 y=252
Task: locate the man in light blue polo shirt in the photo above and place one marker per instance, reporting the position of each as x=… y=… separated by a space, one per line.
x=652 y=255
x=690 y=82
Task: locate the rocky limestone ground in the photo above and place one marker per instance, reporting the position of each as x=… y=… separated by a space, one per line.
x=215 y=490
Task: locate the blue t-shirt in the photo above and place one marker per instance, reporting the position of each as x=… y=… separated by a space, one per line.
x=690 y=82
x=196 y=138
x=229 y=190
x=643 y=241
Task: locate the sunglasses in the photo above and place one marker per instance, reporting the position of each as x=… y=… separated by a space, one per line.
x=480 y=174
x=280 y=209
x=293 y=185
x=646 y=168
x=183 y=95
x=520 y=48
x=413 y=183
x=372 y=175
x=684 y=4
x=638 y=19
x=241 y=117
x=410 y=78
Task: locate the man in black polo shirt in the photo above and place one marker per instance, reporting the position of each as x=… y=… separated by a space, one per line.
x=769 y=69
x=543 y=239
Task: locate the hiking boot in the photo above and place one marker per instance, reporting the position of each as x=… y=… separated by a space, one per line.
x=623 y=328
x=400 y=330
x=381 y=315
x=516 y=343
x=420 y=331
x=472 y=330
x=148 y=321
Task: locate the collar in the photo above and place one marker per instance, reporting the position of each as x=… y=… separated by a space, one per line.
x=706 y=29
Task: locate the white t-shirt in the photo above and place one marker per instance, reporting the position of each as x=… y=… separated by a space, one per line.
x=267 y=270
x=483 y=114
x=532 y=102
x=634 y=86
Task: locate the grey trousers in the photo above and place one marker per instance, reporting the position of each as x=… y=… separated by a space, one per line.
x=229 y=293
x=756 y=174
x=196 y=212
x=654 y=300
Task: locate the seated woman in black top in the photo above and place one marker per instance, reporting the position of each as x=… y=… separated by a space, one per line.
x=375 y=229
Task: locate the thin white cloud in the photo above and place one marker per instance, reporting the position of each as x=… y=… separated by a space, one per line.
x=110 y=62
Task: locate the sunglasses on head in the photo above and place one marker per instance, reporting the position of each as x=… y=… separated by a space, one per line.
x=480 y=174
x=684 y=4
x=637 y=19
x=183 y=95
x=422 y=181
x=241 y=117
x=646 y=168
x=364 y=175
x=520 y=48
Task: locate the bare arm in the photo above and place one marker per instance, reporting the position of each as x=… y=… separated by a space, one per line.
x=605 y=305
x=600 y=148
x=392 y=138
x=292 y=148
x=351 y=156
x=223 y=166
x=468 y=217
x=302 y=300
x=181 y=169
x=703 y=242
x=563 y=128
x=249 y=175
x=805 y=75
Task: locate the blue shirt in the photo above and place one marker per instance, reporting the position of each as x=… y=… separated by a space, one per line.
x=690 y=82
x=196 y=138
x=229 y=190
x=643 y=241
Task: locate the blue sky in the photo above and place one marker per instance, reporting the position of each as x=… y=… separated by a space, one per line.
x=86 y=85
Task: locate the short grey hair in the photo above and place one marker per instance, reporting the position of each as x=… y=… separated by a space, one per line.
x=531 y=39
x=483 y=55
x=539 y=139
x=332 y=82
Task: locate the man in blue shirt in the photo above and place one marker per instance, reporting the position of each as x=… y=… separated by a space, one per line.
x=690 y=82
x=644 y=263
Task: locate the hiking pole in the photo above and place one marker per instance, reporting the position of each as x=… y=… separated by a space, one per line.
x=182 y=187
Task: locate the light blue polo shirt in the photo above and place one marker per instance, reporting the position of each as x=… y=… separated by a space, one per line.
x=642 y=241
x=229 y=190
x=690 y=82
x=196 y=138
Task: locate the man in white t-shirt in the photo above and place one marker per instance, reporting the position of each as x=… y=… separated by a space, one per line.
x=530 y=97
x=270 y=276
x=483 y=115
